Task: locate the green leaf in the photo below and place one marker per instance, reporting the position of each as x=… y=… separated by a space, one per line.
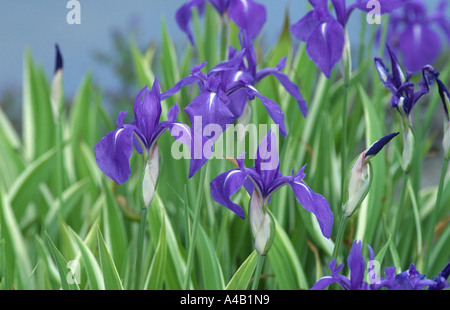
x=114 y=228
x=156 y=273
x=176 y=264
x=243 y=275
x=16 y=251
x=143 y=64
x=93 y=270
x=61 y=265
x=285 y=262
x=26 y=185
x=38 y=123
x=111 y=276
x=372 y=206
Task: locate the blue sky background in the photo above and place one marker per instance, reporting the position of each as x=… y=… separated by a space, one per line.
x=38 y=25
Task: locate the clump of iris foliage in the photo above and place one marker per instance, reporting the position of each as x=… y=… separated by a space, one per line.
x=94 y=199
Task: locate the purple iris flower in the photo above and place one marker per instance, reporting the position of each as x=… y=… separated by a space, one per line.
x=410 y=279
x=404 y=96
x=357 y=266
x=246 y=14
x=248 y=73
x=414 y=32
x=264 y=179
x=324 y=33
x=217 y=87
x=113 y=151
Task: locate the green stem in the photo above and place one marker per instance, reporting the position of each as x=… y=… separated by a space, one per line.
x=401 y=206
x=344 y=141
x=193 y=240
x=435 y=214
x=257 y=276
x=140 y=246
x=59 y=162
x=340 y=236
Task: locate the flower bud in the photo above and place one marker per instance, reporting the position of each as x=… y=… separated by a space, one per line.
x=150 y=176
x=408 y=148
x=262 y=224
x=446 y=140
x=357 y=184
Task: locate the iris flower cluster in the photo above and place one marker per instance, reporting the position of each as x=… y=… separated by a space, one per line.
x=325 y=34
x=223 y=94
x=410 y=279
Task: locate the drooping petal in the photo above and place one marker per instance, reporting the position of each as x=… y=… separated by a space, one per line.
x=183 y=17
x=290 y=87
x=199 y=147
x=225 y=185
x=420 y=45
x=305 y=26
x=248 y=15
x=272 y=108
x=113 y=153
x=209 y=108
x=325 y=45
x=314 y=203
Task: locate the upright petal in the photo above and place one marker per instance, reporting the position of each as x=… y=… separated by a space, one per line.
x=225 y=185
x=325 y=45
x=267 y=161
x=147 y=110
x=357 y=266
x=398 y=77
x=248 y=15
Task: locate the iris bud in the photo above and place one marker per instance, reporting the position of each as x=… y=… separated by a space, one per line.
x=357 y=184
x=262 y=224
x=408 y=148
x=150 y=176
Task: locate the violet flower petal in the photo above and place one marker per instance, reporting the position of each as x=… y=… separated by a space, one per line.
x=225 y=185
x=325 y=45
x=248 y=15
x=314 y=203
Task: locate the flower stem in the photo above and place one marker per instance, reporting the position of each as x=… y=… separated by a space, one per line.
x=340 y=236
x=401 y=206
x=344 y=141
x=140 y=246
x=435 y=213
x=193 y=238
x=257 y=276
